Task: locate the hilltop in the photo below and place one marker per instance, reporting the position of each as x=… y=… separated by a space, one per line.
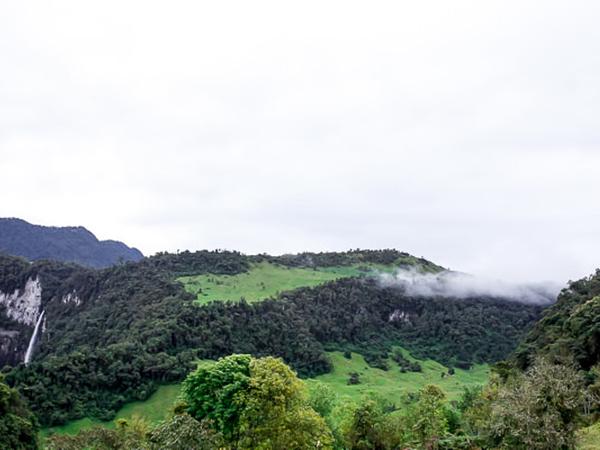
x=66 y=244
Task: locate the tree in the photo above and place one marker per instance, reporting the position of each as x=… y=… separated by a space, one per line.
x=18 y=427
x=538 y=410
x=428 y=420
x=364 y=431
x=127 y=435
x=256 y=404
x=183 y=432
x=212 y=392
x=321 y=398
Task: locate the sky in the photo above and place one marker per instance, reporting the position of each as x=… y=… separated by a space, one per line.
x=466 y=132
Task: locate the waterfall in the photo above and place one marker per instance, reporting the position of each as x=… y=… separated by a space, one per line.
x=32 y=340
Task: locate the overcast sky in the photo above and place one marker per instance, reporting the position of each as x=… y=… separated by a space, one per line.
x=467 y=132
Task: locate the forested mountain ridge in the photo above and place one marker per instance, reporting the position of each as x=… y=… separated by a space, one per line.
x=110 y=336
x=67 y=244
x=65 y=290
x=569 y=330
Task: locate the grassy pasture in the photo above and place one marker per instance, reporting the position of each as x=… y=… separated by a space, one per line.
x=155 y=409
x=265 y=280
x=392 y=384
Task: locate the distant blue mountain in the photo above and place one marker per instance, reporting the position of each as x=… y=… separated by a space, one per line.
x=68 y=244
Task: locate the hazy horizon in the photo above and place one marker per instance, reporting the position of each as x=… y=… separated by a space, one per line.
x=464 y=132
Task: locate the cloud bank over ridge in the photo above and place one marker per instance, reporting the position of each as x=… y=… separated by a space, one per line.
x=462 y=285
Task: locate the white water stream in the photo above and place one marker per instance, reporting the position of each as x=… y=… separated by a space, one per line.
x=33 y=338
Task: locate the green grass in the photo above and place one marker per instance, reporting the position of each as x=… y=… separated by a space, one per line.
x=155 y=409
x=393 y=384
x=265 y=280
x=589 y=438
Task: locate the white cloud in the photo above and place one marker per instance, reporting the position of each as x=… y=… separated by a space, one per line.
x=461 y=285
x=466 y=132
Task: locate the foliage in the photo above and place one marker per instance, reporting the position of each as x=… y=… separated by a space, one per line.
x=589 y=438
x=357 y=315
x=182 y=432
x=321 y=398
x=352 y=257
x=569 y=329
x=256 y=404
x=18 y=427
x=213 y=393
x=137 y=328
x=354 y=378
x=540 y=409
x=365 y=430
x=154 y=410
x=128 y=435
x=428 y=421
x=405 y=364
x=372 y=426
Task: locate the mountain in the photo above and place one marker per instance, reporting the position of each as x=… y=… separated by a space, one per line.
x=67 y=244
x=111 y=336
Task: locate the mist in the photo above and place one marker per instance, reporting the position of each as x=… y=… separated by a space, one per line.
x=463 y=285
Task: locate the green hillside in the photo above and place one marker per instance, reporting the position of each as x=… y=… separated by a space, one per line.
x=268 y=276
x=137 y=328
x=265 y=279
x=392 y=384
x=569 y=327
x=155 y=409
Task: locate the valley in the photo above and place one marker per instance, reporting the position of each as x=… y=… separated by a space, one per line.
x=115 y=345
x=392 y=385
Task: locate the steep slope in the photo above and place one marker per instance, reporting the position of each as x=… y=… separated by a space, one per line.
x=569 y=329
x=27 y=290
x=67 y=244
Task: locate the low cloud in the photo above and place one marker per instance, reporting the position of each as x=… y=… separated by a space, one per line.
x=462 y=285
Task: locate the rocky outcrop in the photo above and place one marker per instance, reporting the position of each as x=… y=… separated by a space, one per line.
x=21 y=309
x=399 y=316
x=26 y=290
x=71 y=297
x=23 y=305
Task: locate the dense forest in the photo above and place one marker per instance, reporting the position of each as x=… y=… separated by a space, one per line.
x=67 y=244
x=569 y=329
x=136 y=327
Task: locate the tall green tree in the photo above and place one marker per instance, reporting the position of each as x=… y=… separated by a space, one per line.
x=256 y=404
x=213 y=393
x=276 y=413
